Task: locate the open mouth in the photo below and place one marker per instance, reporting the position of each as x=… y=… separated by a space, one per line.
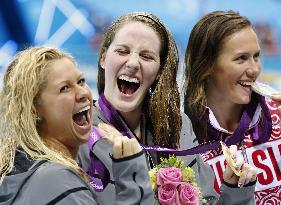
x=82 y=117
x=245 y=84
x=128 y=85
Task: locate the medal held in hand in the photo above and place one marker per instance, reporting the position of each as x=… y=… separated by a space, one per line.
x=230 y=160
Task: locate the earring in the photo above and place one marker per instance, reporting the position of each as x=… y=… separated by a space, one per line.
x=38 y=119
x=150 y=91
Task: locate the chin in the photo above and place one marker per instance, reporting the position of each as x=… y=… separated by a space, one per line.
x=245 y=100
x=124 y=106
x=83 y=139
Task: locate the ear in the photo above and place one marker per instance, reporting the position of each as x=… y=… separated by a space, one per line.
x=37 y=108
x=102 y=60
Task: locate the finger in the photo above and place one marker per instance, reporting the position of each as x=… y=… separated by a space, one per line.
x=117 y=148
x=109 y=129
x=276 y=96
x=105 y=135
x=127 y=147
x=245 y=176
x=251 y=175
x=136 y=148
x=239 y=162
x=228 y=173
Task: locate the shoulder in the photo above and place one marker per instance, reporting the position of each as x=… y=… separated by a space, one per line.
x=188 y=138
x=56 y=173
x=98 y=116
x=185 y=120
x=52 y=181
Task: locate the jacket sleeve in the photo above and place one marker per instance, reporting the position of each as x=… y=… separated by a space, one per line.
x=230 y=195
x=132 y=181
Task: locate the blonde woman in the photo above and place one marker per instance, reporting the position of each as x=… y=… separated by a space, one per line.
x=46 y=113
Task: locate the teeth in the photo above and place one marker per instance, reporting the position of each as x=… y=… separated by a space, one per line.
x=127 y=78
x=84 y=109
x=246 y=83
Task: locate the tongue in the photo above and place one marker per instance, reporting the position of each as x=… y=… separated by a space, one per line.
x=80 y=119
x=127 y=89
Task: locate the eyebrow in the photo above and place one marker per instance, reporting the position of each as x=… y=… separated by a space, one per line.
x=81 y=75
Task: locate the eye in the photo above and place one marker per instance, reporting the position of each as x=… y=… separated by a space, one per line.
x=257 y=56
x=122 y=52
x=241 y=58
x=82 y=81
x=64 y=88
x=147 y=57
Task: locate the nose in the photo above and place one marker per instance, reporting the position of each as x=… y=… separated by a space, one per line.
x=82 y=93
x=254 y=68
x=133 y=64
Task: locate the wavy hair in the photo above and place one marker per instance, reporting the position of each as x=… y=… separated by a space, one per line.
x=24 y=80
x=163 y=103
x=204 y=45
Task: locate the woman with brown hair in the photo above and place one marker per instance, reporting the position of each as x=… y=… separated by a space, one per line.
x=222 y=62
x=139 y=96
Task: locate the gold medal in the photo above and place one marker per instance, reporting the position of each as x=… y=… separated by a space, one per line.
x=230 y=161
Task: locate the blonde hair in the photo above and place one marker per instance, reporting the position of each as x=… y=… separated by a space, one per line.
x=163 y=102
x=24 y=80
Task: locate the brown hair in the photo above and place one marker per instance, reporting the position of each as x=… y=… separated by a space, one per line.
x=164 y=103
x=204 y=45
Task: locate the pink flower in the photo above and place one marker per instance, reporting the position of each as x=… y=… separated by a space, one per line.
x=168 y=194
x=169 y=175
x=188 y=194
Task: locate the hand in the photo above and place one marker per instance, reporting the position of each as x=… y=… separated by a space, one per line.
x=248 y=173
x=122 y=145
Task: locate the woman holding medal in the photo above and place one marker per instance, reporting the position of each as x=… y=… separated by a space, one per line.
x=222 y=62
x=46 y=113
x=138 y=91
x=139 y=96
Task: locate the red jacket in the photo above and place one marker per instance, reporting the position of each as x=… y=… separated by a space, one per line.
x=265 y=157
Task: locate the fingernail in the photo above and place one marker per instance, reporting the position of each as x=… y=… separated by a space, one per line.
x=238 y=165
x=234 y=156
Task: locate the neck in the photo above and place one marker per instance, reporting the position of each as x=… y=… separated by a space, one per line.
x=133 y=120
x=228 y=115
x=60 y=147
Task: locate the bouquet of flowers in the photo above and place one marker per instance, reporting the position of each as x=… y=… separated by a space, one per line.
x=174 y=183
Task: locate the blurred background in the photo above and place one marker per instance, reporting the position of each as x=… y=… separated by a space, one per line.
x=77 y=26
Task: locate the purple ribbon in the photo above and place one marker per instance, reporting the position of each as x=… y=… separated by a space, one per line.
x=114 y=118
x=243 y=126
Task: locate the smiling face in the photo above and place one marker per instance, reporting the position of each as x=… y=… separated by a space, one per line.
x=65 y=105
x=131 y=64
x=237 y=65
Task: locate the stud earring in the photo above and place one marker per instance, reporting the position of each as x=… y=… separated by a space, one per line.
x=38 y=119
